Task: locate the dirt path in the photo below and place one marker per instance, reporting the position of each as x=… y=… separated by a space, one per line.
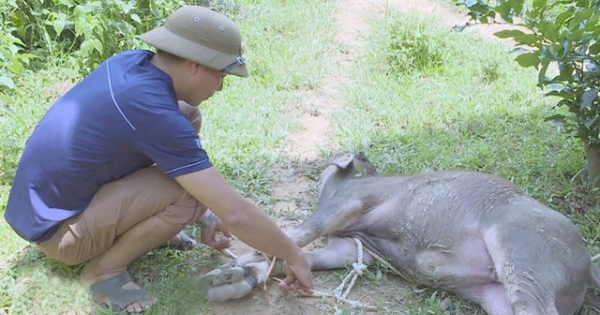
x=293 y=191
x=351 y=15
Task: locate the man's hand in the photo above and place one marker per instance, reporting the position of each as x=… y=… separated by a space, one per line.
x=249 y=224
x=211 y=227
x=298 y=278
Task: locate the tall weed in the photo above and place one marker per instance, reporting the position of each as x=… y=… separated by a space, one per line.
x=414 y=44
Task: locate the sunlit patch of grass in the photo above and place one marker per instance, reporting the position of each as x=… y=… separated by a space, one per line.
x=482 y=113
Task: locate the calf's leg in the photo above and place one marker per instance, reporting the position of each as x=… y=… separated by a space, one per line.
x=237 y=278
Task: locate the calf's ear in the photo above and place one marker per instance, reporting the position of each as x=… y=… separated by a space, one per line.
x=343 y=161
x=363 y=165
x=338 y=170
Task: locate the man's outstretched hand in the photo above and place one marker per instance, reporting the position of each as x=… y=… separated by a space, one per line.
x=298 y=278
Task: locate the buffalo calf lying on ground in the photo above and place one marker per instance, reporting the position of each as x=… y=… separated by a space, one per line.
x=473 y=234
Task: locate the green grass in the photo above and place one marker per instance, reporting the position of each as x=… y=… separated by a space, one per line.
x=473 y=109
x=446 y=101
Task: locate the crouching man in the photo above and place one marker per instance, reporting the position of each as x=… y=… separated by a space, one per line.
x=115 y=168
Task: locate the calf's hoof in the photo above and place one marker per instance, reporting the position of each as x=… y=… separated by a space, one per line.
x=220 y=276
x=225 y=284
x=228 y=291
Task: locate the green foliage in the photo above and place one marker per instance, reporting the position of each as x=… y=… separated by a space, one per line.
x=561 y=33
x=81 y=33
x=12 y=61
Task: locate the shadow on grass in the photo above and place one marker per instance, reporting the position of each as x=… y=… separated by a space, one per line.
x=32 y=284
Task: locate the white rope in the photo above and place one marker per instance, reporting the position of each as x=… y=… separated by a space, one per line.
x=341 y=294
x=357 y=270
x=353 y=304
x=358 y=267
x=343 y=290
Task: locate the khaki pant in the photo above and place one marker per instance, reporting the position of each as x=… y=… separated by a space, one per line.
x=121 y=204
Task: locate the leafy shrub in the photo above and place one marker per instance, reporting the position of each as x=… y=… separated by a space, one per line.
x=84 y=33
x=12 y=60
x=565 y=34
x=413 y=48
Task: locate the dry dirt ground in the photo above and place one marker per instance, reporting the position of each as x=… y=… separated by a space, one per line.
x=381 y=289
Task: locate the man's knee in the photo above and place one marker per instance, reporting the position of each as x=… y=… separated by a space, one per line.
x=66 y=249
x=183 y=212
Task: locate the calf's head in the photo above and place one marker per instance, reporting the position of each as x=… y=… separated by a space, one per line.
x=342 y=168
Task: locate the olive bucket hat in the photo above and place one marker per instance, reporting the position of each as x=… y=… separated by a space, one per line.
x=201 y=35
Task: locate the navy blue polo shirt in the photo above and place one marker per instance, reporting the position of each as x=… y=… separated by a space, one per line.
x=123 y=117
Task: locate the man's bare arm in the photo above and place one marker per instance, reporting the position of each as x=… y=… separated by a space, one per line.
x=239 y=215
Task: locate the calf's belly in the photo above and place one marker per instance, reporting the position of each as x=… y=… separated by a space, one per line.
x=463 y=264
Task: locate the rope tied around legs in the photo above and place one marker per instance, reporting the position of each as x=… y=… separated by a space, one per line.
x=339 y=293
x=343 y=290
x=357 y=270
